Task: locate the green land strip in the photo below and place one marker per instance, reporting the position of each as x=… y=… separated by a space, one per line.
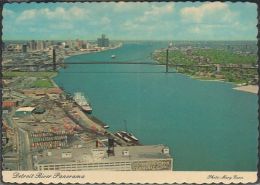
x=38 y=79
x=42 y=83
x=29 y=74
x=209 y=57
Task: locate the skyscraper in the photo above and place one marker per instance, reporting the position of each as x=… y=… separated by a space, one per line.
x=103 y=41
x=39 y=45
x=24 y=48
x=3 y=46
x=32 y=45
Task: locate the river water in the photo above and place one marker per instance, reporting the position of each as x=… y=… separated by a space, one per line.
x=207 y=125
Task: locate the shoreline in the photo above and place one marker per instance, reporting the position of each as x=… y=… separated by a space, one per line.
x=80 y=112
x=88 y=52
x=247 y=88
x=238 y=87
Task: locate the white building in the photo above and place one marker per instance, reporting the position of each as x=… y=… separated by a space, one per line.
x=130 y=158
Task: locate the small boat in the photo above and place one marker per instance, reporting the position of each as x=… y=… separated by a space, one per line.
x=128 y=137
x=113 y=56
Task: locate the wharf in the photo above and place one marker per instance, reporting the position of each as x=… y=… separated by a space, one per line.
x=98 y=121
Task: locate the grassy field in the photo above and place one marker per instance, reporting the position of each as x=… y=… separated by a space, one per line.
x=214 y=56
x=41 y=79
x=42 y=83
x=225 y=57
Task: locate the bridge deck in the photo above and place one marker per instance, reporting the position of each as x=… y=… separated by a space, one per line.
x=124 y=63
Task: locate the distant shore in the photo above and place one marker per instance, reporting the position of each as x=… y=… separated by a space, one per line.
x=88 y=51
x=245 y=88
x=248 y=88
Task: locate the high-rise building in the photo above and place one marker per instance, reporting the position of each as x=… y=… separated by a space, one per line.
x=103 y=41
x=39 y=45
x=46 y=44
x=3 y=46
x=24 y=48
x=70 y=44
x=32 y=45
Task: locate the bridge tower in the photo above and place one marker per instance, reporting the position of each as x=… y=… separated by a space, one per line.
x=54 y=59
x=167 y=60
x=167 y=56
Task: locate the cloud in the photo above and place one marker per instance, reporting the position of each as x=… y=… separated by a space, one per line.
x=156 y=12
x=159 y=10
x=8 y=13
x=62 y=26
x=60 y=13
x=126 y=6
x=208 y=12
x=27 y=15
x=105 y=21
x=149 y=18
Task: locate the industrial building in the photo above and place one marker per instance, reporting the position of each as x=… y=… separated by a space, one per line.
x=127 y=158
x=24 y=111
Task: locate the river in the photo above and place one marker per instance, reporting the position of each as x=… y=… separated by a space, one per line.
x=207 y=125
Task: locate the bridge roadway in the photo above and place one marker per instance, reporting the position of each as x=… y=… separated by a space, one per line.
x=124 y=63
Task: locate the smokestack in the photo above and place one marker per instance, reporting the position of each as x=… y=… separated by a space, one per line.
x=54 y=59
x=110 y=150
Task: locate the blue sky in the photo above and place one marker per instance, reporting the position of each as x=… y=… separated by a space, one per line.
x=131 y=21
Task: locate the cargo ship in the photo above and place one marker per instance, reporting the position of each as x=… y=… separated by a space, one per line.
x=128 y=137
x=81 y=101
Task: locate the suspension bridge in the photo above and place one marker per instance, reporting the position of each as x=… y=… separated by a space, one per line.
x=53 y=66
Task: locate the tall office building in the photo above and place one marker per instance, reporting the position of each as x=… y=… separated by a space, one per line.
x=46 y=44
x=24 y=48
x=3 y=46
x=103 y=41
x=39 y=45
x=33 y=45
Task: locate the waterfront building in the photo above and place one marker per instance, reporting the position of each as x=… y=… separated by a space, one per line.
x=39 y=45
x=85 y=45
x=71 y=44
x=33 y=45
x=128 y=158
x=24 y=48
x=24 y=111
x=103 y=41
x=3 y=46
x=46 y=44
x=14 y=48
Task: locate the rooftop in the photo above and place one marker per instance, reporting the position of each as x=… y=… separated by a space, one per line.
x=25 y=109
x=90 y=155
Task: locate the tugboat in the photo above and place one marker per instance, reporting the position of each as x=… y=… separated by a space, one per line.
x=113 y=56
x=81 y=101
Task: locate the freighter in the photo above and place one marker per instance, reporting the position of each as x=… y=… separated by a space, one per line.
x=81 y=101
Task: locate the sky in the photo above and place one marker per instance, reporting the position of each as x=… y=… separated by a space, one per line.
x=130 y=21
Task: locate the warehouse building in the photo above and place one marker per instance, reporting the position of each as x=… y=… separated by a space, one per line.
x=24 y=111
x=128 y=158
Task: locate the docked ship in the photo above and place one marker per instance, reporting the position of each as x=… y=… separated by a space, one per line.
x=81 y=101
x=128 y=137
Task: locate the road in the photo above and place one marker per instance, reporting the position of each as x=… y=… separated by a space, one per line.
x=25 y=157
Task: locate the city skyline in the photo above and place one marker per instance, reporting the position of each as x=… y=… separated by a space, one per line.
x=128 y=21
